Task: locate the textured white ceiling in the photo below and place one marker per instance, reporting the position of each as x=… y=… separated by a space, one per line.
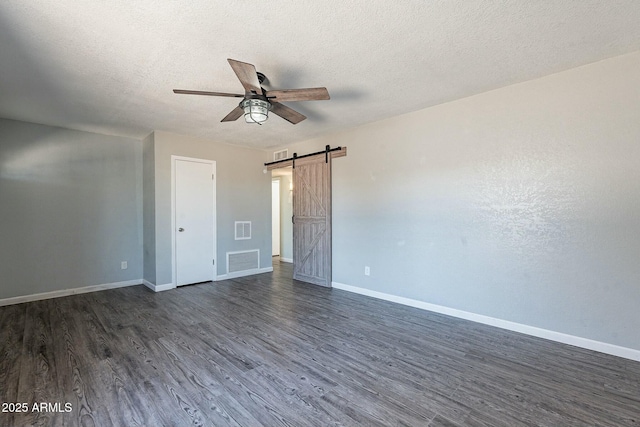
x=110 y=66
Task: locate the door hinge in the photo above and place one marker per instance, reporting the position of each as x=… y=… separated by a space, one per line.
x=213 y=176
x=214 y=262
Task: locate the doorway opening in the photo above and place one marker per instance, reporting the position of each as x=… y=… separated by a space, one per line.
x=282 y=212
x=310 y=213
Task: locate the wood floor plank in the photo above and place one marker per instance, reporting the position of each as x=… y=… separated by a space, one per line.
x=75 y=357
x=217 y=370
x=38 y=367
x=12 y=327
x=266 y=350
x=440 y=421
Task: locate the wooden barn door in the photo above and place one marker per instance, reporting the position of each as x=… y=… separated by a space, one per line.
x=312 y=220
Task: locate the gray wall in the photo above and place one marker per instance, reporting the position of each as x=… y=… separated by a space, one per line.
x=522 y=204
x=243 y=193
x=75 y=204
x=70 y=209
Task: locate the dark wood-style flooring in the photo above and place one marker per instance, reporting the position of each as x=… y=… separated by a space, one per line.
x=266 y=350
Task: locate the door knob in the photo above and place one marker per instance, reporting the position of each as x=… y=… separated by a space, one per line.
x=181 y=229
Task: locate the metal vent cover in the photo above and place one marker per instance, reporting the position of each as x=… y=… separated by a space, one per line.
x=280 y=155
x=243 y=260
x=242 y=230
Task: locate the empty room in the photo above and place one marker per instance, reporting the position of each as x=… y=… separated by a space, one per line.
x=302 y=213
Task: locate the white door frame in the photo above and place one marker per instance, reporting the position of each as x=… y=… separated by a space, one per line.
x=173 y=216
x=275 y=236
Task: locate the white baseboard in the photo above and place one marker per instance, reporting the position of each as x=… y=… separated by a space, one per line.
x=243 y=273
x=158 y=288
x=289 y=260
x=67 y=292
x=615 y=350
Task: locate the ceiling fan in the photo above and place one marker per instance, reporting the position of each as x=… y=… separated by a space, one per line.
x=257 y=102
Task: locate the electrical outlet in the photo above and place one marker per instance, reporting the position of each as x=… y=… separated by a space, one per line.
x=123 y=265
x=367 y=270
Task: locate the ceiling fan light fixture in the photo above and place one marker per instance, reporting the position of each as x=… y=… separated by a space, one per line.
x=255 y=110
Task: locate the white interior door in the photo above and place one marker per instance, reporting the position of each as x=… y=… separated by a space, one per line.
x=194 y=221
x=275 y=217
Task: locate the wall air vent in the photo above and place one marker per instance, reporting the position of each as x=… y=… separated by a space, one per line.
x=280 y=155
x=243 y=230
x=243 y=261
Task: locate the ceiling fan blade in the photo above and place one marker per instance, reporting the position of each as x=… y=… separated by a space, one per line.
x=247 y=75
x=199 y=92
x=292 y=116
x=235 y=114
x=310 y=94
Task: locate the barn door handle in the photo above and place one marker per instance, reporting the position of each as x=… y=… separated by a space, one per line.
x=181 y=229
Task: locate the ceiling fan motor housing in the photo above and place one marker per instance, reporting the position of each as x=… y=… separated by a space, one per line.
x=261 y=77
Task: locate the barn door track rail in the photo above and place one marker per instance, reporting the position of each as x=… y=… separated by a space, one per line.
x=291 y=161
